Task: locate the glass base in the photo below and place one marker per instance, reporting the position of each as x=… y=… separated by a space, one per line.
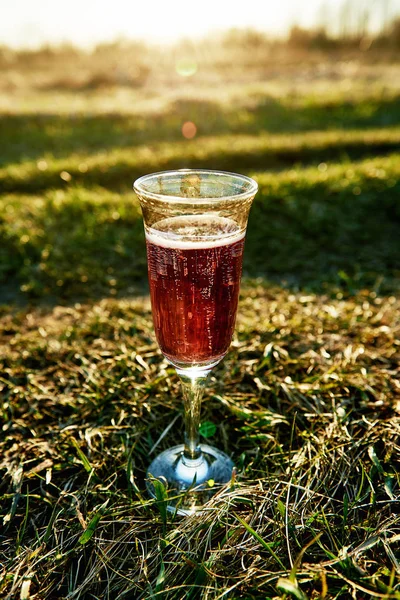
x=190 y=482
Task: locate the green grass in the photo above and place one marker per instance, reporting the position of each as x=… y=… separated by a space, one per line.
x=328 y=227
x=307 y=400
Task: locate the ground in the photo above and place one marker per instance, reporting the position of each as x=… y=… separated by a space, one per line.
x=307 y=402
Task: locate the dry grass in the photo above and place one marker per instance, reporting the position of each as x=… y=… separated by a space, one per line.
x=308 y=401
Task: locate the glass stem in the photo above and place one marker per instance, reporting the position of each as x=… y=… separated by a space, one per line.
x=193 y=384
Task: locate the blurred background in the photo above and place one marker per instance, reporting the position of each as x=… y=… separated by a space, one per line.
x=303 y=97
x=87 y=46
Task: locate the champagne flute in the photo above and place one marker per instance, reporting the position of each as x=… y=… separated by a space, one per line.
x=195 y=224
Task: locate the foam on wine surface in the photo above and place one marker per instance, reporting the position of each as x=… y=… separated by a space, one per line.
x=194 y=232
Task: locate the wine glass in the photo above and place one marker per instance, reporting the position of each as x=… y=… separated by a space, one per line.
x=195 y=224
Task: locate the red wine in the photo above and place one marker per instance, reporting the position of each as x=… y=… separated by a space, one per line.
x=195 y=265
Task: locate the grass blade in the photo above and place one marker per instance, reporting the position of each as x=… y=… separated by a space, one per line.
x=88 y=533
x=84 y=459
x=289 y=587
x=260 y=539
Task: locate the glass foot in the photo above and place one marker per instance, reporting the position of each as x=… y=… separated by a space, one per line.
x=190 y=483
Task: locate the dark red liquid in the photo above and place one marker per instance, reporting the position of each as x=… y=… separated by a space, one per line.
x=194 y=296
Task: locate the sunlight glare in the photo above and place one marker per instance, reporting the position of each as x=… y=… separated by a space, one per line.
x=30 y=23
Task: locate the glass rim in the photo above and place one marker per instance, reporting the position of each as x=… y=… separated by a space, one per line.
x=139 y=189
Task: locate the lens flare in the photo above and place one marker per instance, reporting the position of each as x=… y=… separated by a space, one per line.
x=189 y=130
x=186 y=67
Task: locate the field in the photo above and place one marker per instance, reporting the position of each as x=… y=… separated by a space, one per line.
x=307 y=402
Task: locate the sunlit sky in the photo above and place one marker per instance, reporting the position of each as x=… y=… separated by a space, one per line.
x=31 y=23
